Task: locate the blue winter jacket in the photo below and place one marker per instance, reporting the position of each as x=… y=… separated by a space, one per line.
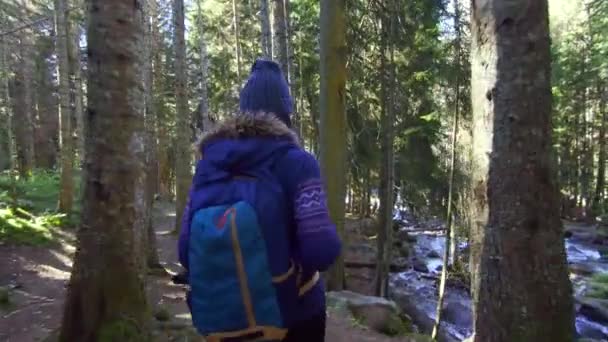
x=245 y=141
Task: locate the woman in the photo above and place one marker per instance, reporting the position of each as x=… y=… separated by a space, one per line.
x=300 y=240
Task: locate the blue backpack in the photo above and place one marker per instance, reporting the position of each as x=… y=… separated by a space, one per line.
x=238 y=292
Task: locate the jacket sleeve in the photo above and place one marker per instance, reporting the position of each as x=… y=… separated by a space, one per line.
x=317 y=242
x=184 y=234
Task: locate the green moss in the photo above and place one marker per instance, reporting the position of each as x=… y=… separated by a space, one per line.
x=5 y=300
x=38 y=194
x=121 y=330
x=18 y=226
x=31 y=219
x=598 y=286
x=358 y=322
x=397 y=326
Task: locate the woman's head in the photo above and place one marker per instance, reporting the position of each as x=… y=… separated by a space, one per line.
x=267 y=91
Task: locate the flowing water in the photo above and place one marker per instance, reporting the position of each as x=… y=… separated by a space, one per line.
x=417 y=287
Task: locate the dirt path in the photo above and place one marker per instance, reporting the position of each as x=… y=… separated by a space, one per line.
x=37 y=278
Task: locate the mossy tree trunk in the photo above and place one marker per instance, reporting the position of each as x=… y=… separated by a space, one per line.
x=237 y=38
x=387 y=168
x=279 y=36
x=151 y=157
x=266 y=41
x=6 y=144
x=333 y=118
x=600 y=183
x=106 y=299
x=520 y=283
x=66 y=194
x=183 y=152
x=23 y=106
x=160 y=109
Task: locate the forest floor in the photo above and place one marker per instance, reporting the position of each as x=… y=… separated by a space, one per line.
x=35 y=278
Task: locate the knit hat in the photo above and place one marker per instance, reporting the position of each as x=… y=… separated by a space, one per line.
x=267 y=90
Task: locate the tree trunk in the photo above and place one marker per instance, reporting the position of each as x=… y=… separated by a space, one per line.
x=164 y=166
x=203 y=109
x=237 y=38
x=279 y=38
x=47 y=123
x=151 y=158
x=387 y=182
x=449 y=251
x=76 y=86
x=66 y=194
x=6 y=136
x=109 y=303
x=182 y=145
x=291 y=71
x=453 y=236
x=9 y=123
x=333 y=118
x=23 y=109
x=520 y=279
x=600 y=184
x=266 y=33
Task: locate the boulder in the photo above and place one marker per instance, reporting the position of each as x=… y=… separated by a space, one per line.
x=419 y=265
x=458 y=314
x=433 y=255
x=410 y=305
x=379 y=314
x=400 y=263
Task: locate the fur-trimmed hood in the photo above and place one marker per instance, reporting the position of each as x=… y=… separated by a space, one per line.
x=261 y=125
x=241 y=145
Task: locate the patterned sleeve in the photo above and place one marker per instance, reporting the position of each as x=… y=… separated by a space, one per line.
x=317 y=240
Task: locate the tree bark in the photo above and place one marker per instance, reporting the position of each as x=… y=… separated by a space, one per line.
x=266 y=33
x=66 y=192
x=520 y=279
x=237 y=38
x=23 y=109
x=203 y=109
x=600 y=183
x=182 y=153
x=164 y=166
x=449 y=251
x=151 y=158
x=47 y=124
x=279 y=38
x=76 y=86
x=6 y=135
x=458 y=51
x=385 y=219
x=333 y=118
x=106 y=299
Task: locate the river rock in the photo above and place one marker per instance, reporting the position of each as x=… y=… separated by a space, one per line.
x=590 y=332
x=433 y=255
x=594 y=309
x=410 y=305
x=377 y=313
x=419 y=265
x=400 y=263
x=458 y=313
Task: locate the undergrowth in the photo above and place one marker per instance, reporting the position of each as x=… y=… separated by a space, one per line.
x=28 y=209
x=598 y=286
